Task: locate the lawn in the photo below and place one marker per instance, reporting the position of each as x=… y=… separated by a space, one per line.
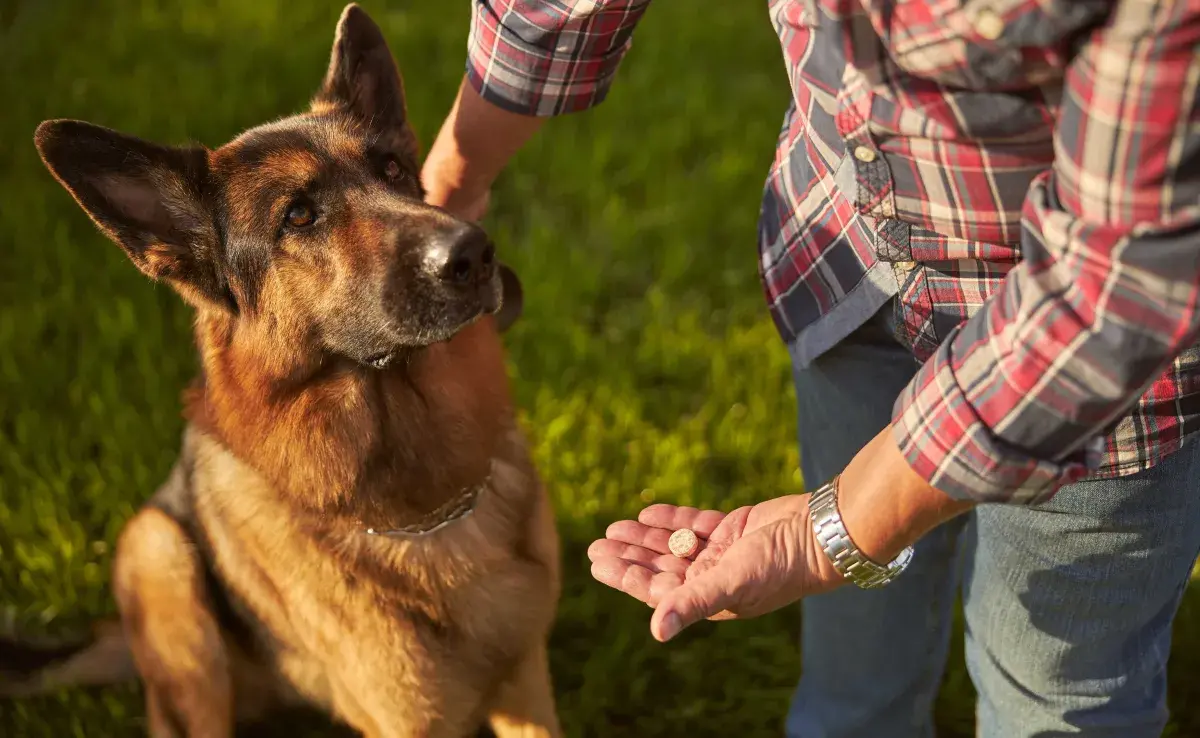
x=646 y=366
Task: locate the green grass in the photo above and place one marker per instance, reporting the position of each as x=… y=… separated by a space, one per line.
x=646 y=366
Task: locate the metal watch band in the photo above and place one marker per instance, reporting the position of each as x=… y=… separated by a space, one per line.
x=837 y=545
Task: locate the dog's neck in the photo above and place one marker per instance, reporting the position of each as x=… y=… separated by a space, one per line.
x=379 y=447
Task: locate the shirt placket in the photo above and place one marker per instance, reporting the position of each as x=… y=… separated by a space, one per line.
x=874 y=198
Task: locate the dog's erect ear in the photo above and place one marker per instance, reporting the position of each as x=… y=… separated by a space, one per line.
x=363 y=78
x=514 y=299
x=147 y=198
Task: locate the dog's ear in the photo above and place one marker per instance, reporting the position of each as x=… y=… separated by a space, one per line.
x=513 y=299
x=145 y=197
x=363 y=78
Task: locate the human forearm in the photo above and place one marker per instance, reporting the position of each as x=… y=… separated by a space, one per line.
x=526 y=61
x=475 y=143
x=885 y=505
x=1019 y=401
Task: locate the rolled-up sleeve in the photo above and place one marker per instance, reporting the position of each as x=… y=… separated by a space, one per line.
x=550 y=57
x=1016 y=402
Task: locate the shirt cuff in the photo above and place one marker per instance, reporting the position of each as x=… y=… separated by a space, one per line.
x=536 y=70
x=943 y=438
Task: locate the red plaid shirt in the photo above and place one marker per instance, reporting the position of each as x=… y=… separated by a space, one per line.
x=1022 y=176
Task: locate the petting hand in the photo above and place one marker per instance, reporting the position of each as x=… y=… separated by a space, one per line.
x=750 y=561
x=466 y=204
x=474 y=144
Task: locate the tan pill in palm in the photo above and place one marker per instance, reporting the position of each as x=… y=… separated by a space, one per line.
x=683 y=543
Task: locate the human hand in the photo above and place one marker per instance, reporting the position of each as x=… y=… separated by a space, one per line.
x=750 y=562
x=442 y=189
x=757 y=559
x=474 y=144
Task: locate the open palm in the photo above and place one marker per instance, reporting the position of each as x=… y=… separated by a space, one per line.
x=750 y=561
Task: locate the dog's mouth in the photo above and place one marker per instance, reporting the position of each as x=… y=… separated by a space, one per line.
x=455 y=319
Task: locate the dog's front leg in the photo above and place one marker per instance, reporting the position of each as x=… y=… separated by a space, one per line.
x=176 y=642
x=524 y=706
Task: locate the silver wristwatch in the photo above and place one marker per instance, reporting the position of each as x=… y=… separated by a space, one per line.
x=837 y=545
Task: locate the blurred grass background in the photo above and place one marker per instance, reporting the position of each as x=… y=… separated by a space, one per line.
x=646 y=366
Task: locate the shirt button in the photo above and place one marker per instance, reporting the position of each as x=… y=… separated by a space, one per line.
x=907 y=266
x=989 y=24
x=864 y=154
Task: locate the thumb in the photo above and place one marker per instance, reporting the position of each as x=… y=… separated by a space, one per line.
x=697 y=599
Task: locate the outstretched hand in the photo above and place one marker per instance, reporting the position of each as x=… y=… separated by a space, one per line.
x=749 y=562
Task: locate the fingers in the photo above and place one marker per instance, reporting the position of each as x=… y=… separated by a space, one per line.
x=656 y=523
x=673 y=517
x=634 y=557
x=652 y=560
x=701 y=597
x=634 y=533
x=635 y=580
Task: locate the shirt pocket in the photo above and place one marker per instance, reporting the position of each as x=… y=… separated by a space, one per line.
x=982 y=44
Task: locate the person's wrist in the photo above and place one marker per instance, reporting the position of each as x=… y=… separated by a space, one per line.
x=885 y=505
x=448 y=184
x=821 y=564
x=446 y=169
x=474 y=144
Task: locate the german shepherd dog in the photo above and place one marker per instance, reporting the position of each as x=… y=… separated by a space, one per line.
x=354 y=522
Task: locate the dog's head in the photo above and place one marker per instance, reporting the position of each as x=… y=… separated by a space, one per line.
x=313 y=225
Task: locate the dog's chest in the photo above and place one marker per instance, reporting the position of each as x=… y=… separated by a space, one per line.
x=333 y=632
x=340 y=607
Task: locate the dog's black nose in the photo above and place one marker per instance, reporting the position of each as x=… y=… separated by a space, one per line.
x=470 y=256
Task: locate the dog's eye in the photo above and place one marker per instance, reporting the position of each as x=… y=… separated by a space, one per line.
x=391 y=168
x=299 y=215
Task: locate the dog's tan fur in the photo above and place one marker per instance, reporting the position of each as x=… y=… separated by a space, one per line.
x=248 y=582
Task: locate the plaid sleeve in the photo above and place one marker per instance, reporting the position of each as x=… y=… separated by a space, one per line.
x=548 y=57
x=1015 y=403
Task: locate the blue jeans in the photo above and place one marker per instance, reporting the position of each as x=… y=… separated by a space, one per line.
x=1068 y=606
